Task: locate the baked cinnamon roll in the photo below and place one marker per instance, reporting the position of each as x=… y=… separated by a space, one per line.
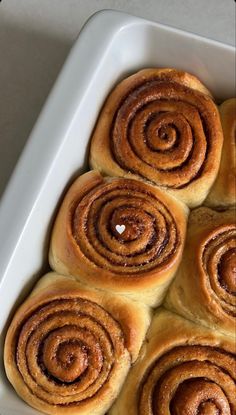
x=183 y=369
x=223 y=192
x=119 y=234
x=204 y=289
x=69 y=348
x=160 y=125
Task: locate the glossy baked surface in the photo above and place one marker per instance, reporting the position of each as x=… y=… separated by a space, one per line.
x=38 y=196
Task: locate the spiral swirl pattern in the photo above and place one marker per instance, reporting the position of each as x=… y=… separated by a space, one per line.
x=190 y=380
x=67 y=350
x=149 y=238
x=163 y=131
x=219 y=266
x=223 y=191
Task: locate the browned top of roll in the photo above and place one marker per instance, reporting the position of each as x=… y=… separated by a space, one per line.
x=212 y=236
x=160 y=125
x=190 y=380
x=218 y=260
x=69 y=348
x=121 y=225
x=204 y=288
x=121 y=231
x=223 y=192
x=183 y=369
x=66 y=349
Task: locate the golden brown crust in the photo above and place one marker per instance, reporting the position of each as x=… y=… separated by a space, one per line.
x=141 y=261
x=181 y=367
x=204 y=287
x=223 y=192
x=160 y=125
x=69 y=348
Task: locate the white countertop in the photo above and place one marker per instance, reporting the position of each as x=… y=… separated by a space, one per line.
x=36 y=36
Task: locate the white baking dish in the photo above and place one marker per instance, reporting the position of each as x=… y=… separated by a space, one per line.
x=110 y=46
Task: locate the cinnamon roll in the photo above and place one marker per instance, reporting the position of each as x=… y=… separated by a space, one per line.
x=68 y=348
x=119 y=234
x=223 y=192
x=160 y=125
x=182 y=369
x=204 y=289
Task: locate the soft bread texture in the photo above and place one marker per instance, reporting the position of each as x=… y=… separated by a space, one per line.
x=161 y=126
x=69 y=348
x=79 y=338
x=182 y=369
x=139 y=263
x=223 y=192
x=204 y=287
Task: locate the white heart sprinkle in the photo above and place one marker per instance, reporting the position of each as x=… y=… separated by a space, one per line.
x=120 y=228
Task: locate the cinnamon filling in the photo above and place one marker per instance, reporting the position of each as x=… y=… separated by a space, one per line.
x=68 y=350
x=163 y=131
x=227 y=270
x=124 y=228
x=191 y=380
x=219 y=266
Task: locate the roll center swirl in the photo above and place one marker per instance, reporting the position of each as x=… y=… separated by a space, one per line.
x=200 y=397
x=68 y=353
x=219 y=264
x=227 y=270
x=161 y=132
x=123 y=227
x=133 y=222
x=65 y=359
x=191 y=380
x=167 y=134
x=208 y=408
x=68 y=349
